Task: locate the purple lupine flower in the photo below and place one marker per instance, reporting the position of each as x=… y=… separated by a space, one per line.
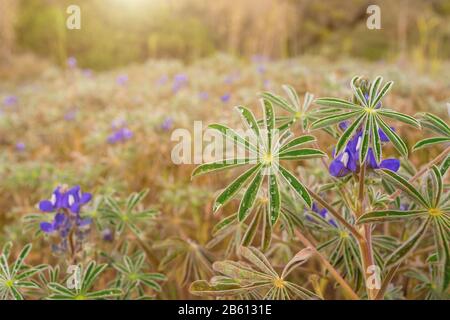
x=10 y=101
x=179 y=81
x=66 y=203
x=266 y=84
x=120 y=135
x=348 y=161
x=63 y=198
x=203 y=95
x=261 y=68
x=323 y=213
x=167 y=124
x=122 y=79
x=72 y=62
x=225 y=97
x=20 y=146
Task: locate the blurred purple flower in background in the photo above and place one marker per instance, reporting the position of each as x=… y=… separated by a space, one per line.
x=203 y=95
x=120 y=135
x=71 y=115
x=20 y=146
x=88 y=73
x=107 y=235
x=167 y=124
x=225 y=97
x=72 y=62
x=122 y=79
x=10 y=101
x=179 y=81
x=162 y=80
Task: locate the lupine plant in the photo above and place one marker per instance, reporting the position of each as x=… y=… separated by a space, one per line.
x=343 y=230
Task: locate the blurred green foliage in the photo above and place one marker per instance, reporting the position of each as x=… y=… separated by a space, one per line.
x=119 y=32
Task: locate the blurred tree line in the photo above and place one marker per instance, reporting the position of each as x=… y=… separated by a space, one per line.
x=118 y=32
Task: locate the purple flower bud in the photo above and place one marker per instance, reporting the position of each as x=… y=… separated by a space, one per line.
x=226 y=97
x=72 y=62
x=10 y=101
x=20 y=146
x=122 y=79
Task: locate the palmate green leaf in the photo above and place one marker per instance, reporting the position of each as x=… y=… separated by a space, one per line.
x=403 y=184
x=389 y=215
x=333 y=119
x=338 y=103
x=226 y=195
x=296 y=185
x=398 y=143
x=221 y=165
x=250 y=196
x=408 y=246
x=232 y=135
x=292 y=94
x=400 y=117
x=300 y=154
x=429 y=142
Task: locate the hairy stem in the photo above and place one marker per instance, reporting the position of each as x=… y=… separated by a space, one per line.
x=345 y=286
x=365 y=244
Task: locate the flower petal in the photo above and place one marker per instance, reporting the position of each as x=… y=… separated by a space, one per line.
x=391 y=164
x=47 y=227
x=337 y=168
x=46 y=206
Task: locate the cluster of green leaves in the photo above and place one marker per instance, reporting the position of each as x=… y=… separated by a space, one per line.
x=368 y=114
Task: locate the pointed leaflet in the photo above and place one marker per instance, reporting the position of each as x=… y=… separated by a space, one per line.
x=269 y=117
x=400 y=117
x=389 y=215
x=335 y=102
x=382 y=93
x=333 y=119
x=296 y=185
x=430 y=141
x=374 y=89
x=19 y=262
x=300 y=257
x=250 y=121
x=306 y=153
x=403 y=184
x=230 y=191
x=401 y=253
x=249 y=198
x=232 y=135
x=221 y=165
x=434 y=123
x=258 y=259
x=375 y=140
x=297 y=142
x=365 y=139
x=274 y=198
x=436 y=174
x=346 y=136
x=393 y=137
x=278 y=101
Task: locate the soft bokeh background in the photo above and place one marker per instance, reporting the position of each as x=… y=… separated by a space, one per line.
x=155 y=65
